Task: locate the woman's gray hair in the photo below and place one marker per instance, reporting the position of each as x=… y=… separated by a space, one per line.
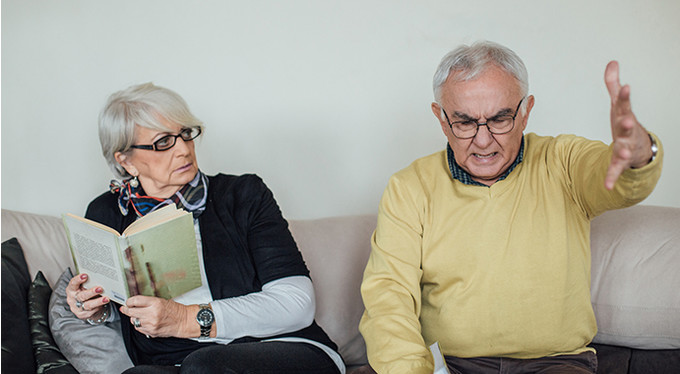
x=470 y=61
x=143 y=105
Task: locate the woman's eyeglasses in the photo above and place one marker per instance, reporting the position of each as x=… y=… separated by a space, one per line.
x=169 y=141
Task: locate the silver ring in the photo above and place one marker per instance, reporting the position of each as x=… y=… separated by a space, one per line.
x=137 y=323
x=79 y=304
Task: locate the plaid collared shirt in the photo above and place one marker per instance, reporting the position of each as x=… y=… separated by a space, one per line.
x=464 y=177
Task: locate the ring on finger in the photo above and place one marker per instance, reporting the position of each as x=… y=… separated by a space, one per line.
x=79 y=304
x=137 y=323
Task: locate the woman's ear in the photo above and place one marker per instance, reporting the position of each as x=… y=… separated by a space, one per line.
x=124 y=161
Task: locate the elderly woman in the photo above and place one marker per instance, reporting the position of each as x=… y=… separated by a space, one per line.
x=255 y=309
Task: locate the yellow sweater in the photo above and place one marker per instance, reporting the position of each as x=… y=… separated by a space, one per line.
x=502 y=271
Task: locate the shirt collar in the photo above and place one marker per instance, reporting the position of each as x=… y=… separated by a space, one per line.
x=464 y=177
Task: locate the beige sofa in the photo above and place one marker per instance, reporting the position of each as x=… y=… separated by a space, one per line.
x=635 y=276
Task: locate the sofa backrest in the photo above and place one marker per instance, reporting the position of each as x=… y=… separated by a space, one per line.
x=336 y=251
x=635 y=277
x=43 y=241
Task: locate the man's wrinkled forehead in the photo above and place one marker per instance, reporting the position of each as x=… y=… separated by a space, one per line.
x=466 y=75
x=489 y=83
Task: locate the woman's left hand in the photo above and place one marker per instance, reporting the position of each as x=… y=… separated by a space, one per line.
x=157 y=317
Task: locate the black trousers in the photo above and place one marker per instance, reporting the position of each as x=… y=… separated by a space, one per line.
x=250 y=358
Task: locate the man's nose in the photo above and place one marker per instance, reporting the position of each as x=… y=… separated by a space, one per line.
x=484 y=136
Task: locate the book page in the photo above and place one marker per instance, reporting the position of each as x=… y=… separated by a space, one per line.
x=164 y=258
x=439 y=361
x=92 y=223
x=154 y=218
x=95 y=253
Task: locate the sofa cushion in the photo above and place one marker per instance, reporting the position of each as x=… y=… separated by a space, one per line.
x=654 y=361
x=612 y=359
x=17 y=352
x=635 y=277
x=90 y=349
x=48 y=358
x=336 y=251
x=623 y=360
x=43 y=239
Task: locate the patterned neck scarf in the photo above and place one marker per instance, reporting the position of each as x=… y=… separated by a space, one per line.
x=191 y=197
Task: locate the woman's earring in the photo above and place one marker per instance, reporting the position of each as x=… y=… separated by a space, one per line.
x=134 y=183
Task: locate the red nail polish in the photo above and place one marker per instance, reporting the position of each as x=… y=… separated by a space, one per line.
x=105 y=300
x=83 y=276
x=99 y=290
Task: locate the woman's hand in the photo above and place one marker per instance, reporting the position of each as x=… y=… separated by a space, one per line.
x=85 y=303
x=157 y=317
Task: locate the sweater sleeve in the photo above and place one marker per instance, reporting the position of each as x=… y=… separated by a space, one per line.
x=272 y=247
x=391 y=286
x=587 y=164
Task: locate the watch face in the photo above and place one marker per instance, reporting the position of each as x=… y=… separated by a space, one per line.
x=205 y=317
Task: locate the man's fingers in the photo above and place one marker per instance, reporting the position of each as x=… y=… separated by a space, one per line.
x=611 y=79
x=623 y=127
x=623 y=101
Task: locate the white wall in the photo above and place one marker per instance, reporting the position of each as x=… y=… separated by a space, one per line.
x=324 y=100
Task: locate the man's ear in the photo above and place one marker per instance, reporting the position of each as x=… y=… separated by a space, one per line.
x=124 y=161
x=529 y=106
x=437 y=111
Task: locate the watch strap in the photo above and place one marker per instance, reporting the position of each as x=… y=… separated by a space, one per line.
x=205 y=329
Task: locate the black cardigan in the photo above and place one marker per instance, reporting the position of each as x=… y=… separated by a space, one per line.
x=246 y=243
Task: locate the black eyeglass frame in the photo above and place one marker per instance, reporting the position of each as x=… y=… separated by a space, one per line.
x=482 y=124
x=157 y=148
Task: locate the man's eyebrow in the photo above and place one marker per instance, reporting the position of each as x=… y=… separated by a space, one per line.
x=503 y=112
x=466 y=117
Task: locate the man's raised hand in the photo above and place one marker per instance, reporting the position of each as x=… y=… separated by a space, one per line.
x=631 y=143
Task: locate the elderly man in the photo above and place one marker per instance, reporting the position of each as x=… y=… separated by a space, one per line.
x=484 y=247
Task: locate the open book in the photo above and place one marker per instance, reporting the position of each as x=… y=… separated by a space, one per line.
x=154 y=256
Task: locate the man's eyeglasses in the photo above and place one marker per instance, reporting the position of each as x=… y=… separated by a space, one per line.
x=498 y=125
x=168 y=141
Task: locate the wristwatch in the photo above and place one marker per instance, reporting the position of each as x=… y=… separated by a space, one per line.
x=655 y=148
x=205 y=318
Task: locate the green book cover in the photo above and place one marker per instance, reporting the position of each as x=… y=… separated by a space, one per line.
x=155 y=256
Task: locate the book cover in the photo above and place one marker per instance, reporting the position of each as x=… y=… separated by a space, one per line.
x=155 y=256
